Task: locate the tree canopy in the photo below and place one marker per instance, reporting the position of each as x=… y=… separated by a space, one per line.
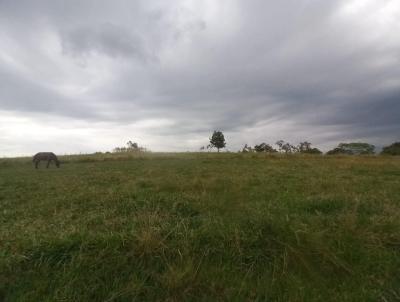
x=217 y=140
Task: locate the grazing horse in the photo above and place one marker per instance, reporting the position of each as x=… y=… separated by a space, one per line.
x=49 y=156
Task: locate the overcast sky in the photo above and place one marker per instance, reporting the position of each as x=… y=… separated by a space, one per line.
x=84 y=76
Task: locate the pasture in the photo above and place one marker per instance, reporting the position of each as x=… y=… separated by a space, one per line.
x=201 y=227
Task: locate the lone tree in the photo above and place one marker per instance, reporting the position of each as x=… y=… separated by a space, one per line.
x=217 y=140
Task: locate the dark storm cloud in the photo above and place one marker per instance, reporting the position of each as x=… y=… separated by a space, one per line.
x=21 y=94
x=108 y=39
x=376 y=110
x=230 y=65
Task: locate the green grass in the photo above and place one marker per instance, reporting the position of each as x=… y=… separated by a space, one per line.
x=201 y=227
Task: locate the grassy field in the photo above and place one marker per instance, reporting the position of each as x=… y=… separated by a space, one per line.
x=201 y=227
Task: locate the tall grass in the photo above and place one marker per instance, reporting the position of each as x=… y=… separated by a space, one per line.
x=200 y=226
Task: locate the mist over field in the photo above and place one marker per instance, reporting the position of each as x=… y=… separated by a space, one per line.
x=85 y=76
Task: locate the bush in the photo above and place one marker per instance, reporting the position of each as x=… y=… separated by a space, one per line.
x=312 y=151
x=263 y=147
x=393 y=149
x=352 y=149
x=305 y=147
x=131 y=147
x=247 y=149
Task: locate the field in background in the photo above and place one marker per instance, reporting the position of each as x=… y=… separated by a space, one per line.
x=208 y=226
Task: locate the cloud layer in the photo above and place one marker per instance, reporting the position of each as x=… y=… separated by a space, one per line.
x=81 y=76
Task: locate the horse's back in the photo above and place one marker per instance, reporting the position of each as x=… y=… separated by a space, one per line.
x=44 y=156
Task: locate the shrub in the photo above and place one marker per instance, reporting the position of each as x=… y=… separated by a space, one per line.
x=305 y=147
x=263 y=147
x=353 y=149
x=336 y=151
x=247 y=149
x=131 y=147
x=393 y=149
x=313 y=151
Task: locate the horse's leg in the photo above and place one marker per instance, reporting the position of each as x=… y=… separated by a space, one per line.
x=37 y=163
x=48 y=163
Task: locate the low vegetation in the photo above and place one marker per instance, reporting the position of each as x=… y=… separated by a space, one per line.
x=393 y=149
x=353 y=149
x=139 y=226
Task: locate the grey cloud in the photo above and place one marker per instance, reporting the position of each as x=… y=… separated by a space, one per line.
x=108 y=39
x=18 y=93
x=233 y=66
x=374 y=110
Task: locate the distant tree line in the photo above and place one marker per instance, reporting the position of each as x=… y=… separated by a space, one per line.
x=283 y=147
x=217 y=140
